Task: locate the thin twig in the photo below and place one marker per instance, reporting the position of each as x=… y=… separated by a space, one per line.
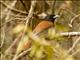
x=72 y=20
x=14 y=15
x=24 y=5
x=6 y=9
x=13 y=9
x=6 y=18
x=70 y=12
x=53 y=8
x=78 y=50
x=2 y=36
x=70 y=34
x=31 y=11
x=14 y=43
x=74 y=44
x=22 y=54
x=12 y=19
x=44 y=42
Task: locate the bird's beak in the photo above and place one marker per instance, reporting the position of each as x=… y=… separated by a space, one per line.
x=56 y=16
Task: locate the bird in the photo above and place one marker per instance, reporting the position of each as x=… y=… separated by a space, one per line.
x=46 y=23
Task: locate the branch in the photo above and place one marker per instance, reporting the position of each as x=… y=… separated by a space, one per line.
x=15 y=17
x=36 y=38
x=74 y=44
x=13 y=9
x=70 y=34
x=6 y=18
x=31 y=12
x=72 y=20
x=24 y=5
x=14 y=43
x=51 y=6
x=22 y=54
x=77 y=51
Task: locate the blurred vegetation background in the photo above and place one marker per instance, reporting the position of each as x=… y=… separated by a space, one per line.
x=12 y=22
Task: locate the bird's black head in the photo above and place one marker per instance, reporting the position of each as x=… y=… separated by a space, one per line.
x=51 y=17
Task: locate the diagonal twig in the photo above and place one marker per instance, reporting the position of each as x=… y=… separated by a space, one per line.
x=13 y=9
x=31 y=12
x=74 y=44
x=14 y=42
x=21 y=54
x=72 y=20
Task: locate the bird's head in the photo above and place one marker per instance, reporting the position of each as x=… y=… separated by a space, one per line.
x=51 y=17
x=48 y=17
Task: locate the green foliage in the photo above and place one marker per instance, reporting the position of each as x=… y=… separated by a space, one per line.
x=62 y=28
x=48 y=50
x=35 y=47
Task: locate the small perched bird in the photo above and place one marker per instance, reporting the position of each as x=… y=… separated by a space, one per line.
x=47 y=22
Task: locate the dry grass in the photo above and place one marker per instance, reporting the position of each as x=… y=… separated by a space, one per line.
x=17 y=25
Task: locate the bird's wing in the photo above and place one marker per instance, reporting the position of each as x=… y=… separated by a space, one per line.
x=42 y=26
